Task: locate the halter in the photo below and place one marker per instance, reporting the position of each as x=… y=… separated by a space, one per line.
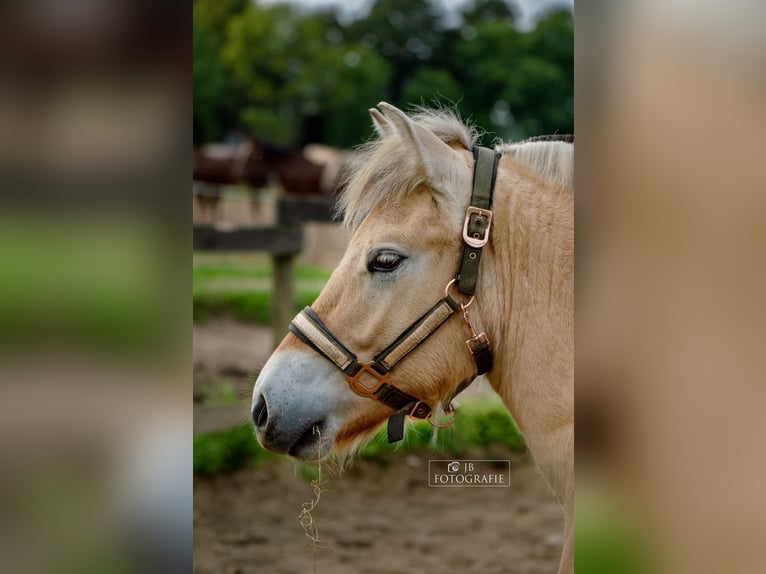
x=372 y=379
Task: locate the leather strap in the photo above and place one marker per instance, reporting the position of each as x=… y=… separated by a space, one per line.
x=416 y=333
x=478 y=222
x=395 y=430
x=482 y=353
x=310 y=329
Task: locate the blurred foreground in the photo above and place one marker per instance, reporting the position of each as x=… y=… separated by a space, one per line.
x=95 y=108
x=670 y=320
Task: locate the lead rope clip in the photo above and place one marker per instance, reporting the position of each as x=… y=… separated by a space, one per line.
x=476 y=341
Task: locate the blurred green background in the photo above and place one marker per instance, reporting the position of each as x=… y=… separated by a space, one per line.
x=294 y=76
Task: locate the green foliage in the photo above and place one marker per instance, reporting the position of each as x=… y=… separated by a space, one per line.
x=490 y=11
x=227 y=451
x=218 y=392
x=480 y=423
x=294 y=77
x=606 y=541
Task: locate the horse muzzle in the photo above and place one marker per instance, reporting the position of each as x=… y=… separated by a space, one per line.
x=294 y=404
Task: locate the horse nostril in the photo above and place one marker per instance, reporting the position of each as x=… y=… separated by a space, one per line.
x=260 y=412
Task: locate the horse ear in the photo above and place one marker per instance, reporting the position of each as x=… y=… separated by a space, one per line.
x=443 y=166
x=381 y=124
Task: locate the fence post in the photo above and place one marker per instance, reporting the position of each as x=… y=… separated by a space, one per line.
x=283 y=295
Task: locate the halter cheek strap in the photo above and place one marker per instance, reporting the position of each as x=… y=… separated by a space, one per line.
x=371 y=379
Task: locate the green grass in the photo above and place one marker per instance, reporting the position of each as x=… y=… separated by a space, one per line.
x=246 y=306
x=86 y=283
x=213 y=297
x=606 y=540
x=252 y=266
x=227 y=451
x=480 y=423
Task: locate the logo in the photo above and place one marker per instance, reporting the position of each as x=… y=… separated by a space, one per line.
x=469 y=473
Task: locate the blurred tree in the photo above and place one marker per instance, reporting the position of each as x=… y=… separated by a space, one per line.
x=294 y=78
x=209 y=86
x=546 y=75
x=214 y=15
x=407 y=33
x=480 y=11
x=521 y=82
x=216 y=105
x=428 y=85
x=296 y=81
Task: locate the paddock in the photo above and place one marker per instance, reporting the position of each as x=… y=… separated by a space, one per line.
x=246 y=522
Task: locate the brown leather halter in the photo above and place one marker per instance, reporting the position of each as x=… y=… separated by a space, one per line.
x=372 y=379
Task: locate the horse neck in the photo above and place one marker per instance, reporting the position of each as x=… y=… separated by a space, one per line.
x=525 y=297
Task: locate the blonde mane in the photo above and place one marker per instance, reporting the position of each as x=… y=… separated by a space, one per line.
x=384 y=171
x=554 y=160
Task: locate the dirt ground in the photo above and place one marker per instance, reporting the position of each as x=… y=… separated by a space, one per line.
x=375 y=519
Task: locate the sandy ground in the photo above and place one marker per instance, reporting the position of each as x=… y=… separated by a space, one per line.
x=375 y=519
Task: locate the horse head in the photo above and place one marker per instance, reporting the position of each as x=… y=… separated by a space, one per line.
x=406 y=201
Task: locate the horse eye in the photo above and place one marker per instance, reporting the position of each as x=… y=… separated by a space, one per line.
x=384 y=262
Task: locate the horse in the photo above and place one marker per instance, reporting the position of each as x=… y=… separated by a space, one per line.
x=334 y=161
x=410 y=199
x=226 y=164
x=255 y=162
x=293 y=172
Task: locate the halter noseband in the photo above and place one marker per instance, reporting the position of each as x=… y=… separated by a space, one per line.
x=372 y=379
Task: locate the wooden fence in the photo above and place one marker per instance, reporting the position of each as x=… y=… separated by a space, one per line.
x=283 y=241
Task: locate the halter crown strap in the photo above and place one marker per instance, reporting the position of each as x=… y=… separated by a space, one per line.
x=478 y=218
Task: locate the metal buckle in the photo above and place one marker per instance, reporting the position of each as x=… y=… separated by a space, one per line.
x=477 y=341
x=359 y=387
x=420 y=410
x=473 y=241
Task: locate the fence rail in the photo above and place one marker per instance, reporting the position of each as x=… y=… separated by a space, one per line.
x=283 y=241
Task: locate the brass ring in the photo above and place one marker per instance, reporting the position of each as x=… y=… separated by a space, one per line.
x=442 y=426
x=463 y=306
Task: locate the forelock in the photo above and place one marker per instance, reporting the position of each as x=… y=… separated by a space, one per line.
x=384 y=170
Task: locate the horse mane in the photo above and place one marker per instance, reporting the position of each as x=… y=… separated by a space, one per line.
x=552 y=156
x=383 y=170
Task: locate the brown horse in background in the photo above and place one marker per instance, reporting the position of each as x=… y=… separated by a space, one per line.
x=255 y=163
x=293 y=173
x=226 y=164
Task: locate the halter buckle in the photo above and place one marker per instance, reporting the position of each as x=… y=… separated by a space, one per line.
x=475 y=240
x=420 y=411
x=365 y=390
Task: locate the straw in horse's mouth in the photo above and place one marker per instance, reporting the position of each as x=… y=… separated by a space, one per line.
x=311 y=435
